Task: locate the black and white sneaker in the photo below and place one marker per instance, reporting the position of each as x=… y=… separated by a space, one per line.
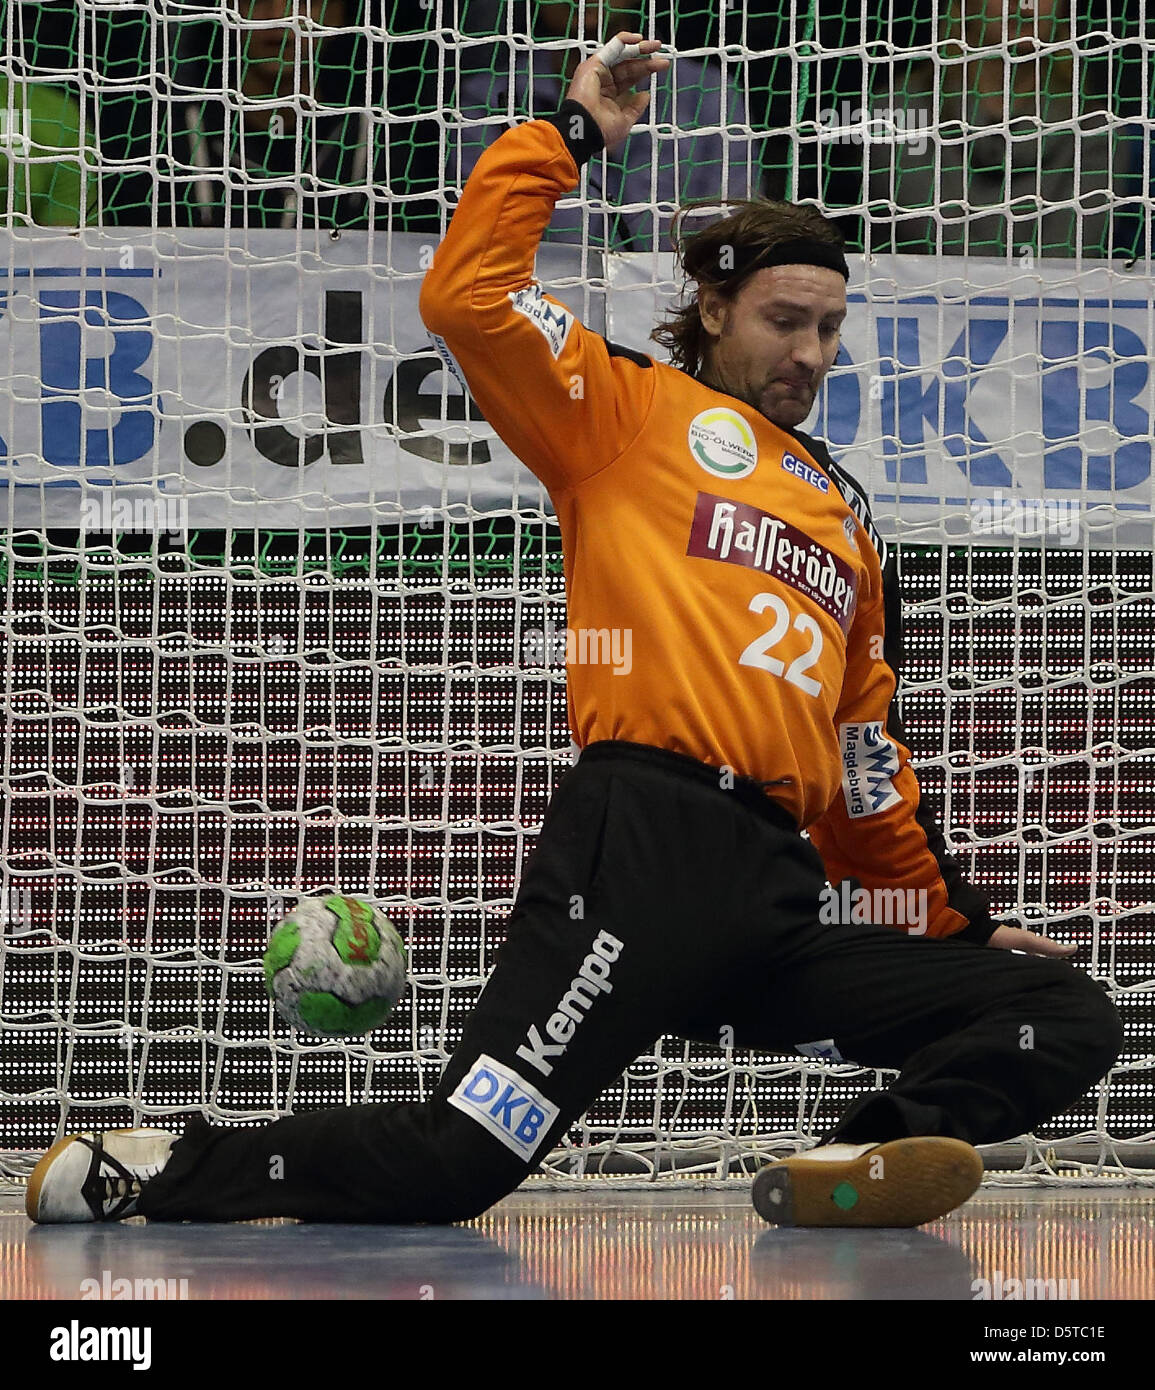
x=96 y=1177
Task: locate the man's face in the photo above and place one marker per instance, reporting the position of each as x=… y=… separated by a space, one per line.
x=563 y=18
x=274 y=46
x=1007 y=39
x=772 y=345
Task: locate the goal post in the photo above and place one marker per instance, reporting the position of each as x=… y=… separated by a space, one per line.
x=281 y=615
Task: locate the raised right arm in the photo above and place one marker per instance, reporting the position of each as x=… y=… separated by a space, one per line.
x=554 y=391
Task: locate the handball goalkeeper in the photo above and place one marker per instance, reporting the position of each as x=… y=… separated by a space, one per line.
x=671 y=890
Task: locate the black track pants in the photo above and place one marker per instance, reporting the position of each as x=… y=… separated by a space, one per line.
x=658 y=901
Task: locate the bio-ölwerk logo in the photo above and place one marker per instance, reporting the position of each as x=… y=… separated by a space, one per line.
x=723 y=443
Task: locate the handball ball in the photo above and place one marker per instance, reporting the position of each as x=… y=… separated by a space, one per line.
x=335 y=966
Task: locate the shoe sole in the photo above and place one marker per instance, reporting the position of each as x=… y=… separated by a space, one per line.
x=906 y=1182
x=41 y=1171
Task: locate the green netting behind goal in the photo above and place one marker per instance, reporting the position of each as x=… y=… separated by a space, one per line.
x=921 y=128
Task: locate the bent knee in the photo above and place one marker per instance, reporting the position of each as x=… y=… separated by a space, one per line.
x=1094 y=1023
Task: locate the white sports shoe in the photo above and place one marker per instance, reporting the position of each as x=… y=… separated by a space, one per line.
x=96 y=1177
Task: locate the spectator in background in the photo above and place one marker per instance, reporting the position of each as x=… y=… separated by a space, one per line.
x=1136 y=187
x=276 y=126
x=1020 y=155
x=43 y=179
x=629 y=201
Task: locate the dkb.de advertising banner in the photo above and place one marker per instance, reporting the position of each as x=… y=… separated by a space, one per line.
x=177 y=380
x=260 y=382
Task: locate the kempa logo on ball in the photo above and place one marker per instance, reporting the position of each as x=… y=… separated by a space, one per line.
x=723 y=443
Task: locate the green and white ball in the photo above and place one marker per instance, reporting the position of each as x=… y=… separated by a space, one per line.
x=335 y=966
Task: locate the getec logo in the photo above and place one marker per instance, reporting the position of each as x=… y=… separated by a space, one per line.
x=505 y=1104
x=806 y=471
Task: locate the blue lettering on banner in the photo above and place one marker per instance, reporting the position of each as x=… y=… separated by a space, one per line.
x=910 y=402
x=1043 y=395
x=1068 y=409
x=505 y=1104
x=65 y=437
x=839 y=404
x=97 y=407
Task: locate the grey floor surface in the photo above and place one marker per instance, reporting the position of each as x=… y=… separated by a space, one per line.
x=1076 y=1243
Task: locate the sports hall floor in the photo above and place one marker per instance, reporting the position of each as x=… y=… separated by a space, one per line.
x=683 y=1243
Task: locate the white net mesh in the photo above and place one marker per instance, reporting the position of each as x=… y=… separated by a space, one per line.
x=274 y=600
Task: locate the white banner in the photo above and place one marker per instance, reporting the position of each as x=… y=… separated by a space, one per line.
x=178 y=376
x=977 y=401
x=265 y=383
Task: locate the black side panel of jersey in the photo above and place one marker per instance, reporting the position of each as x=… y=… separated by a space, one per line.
x=962 y=895
x=639 y=358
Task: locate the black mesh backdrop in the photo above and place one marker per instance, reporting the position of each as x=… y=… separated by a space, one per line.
x=191 y=739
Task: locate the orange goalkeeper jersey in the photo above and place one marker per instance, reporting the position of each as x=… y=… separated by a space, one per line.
x=724 y=583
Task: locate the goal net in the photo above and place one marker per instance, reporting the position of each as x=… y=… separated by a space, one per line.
x=281 y=614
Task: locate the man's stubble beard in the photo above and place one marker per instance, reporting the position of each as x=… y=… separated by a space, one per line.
x=754 y=400
x=796 y=408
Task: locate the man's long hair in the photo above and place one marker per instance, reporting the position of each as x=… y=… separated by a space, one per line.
x=709 y=257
